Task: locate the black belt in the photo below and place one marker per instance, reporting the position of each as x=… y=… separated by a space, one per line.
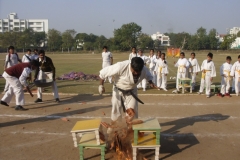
x=126 y=92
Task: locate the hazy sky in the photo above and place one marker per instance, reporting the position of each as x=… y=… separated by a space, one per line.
x=100 y=17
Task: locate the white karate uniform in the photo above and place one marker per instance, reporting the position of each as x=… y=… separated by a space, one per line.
x=123 y=79
x=143 y=83
x=12 y=61
x=182 y=65
x=15 y=87
x=152 y=64
x=192 y=70
x=131 y=55
x=225 y=69
x=106 y=57
x=235 y=71
x=210 y=70
x=25 y=58
x=161 y=69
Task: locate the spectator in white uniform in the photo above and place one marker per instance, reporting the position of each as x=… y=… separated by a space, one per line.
x=107 y=60
x=127 y=75
x=35 y=54
x=182 y=65
x=16 y=77
x=225 y=71
x=208 y=72
x=27 y=57
x=133 y=54
x=152 y=64
x=235 y=72
x=10 y=60
x=193 y=69
x=161 y=70
x=143 y=83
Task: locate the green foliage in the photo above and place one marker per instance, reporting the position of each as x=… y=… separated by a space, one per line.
x=227 y=41
x=238 y=34
x=54 y=40
x=145 y=41
x=68 y=39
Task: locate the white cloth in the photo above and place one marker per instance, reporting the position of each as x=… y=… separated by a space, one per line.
x=152 y=64
x=13 y=60
x=225 y=71
x=210 y=70
x=47 y=75
x=162 y=70
x=182 y=65
x=192 y=70
x=235 y=71
x=25 y=58
x=123 y=79
x=15 y=87
x=143 y=83
x=34 y=56
x=106 y=56
x=131 y=55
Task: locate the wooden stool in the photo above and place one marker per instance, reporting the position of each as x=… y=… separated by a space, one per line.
x=92 y=126
x=88 y=141
x=185 y=83
x=146 y=142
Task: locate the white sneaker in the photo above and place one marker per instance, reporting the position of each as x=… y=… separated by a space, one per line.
x=208 y=96
x=144 y=89
x=199 y=93
x=165 y=89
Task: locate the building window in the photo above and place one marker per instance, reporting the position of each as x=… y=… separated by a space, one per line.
x=30 y=23
x=38 y=23
x=5 y=23
x=38 y=28
x=22 y=23
x=16 y=29
x=11 y=20
x=0 y=28
x=16 y=24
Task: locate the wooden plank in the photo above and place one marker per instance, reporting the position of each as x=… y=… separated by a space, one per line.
x=150 y=124
x=86 y=125
x=148 y=140
x=89 y=139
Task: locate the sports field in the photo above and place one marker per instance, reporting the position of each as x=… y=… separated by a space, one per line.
x=92 y=64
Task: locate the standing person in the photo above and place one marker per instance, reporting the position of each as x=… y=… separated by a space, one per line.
x=35 y=54
x=10 y=60
x=158 y=54
x=225 y=71
x=161 y=70
x=16 y=77
x=235 y=72
x=152 y=64
x=208 y=72
x=133 y=54
x=46 y=70
x=194 y=68
x=107 y=60
x=127 y=76
x=27 y=57
x=143 y=83
x=182 y=65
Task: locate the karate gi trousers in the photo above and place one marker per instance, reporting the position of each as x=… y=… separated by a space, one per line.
x=180 y=75
x=142 y=84
x=225 y=85
x=106 y=64
x=193 y=77
x=129 y=102
x=237 y=84
x=161 y=80
x=206 y=82
x=47 y=75
x=15 y=88
x=153 y=75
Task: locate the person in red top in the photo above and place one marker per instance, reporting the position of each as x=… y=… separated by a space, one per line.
x=16 y=77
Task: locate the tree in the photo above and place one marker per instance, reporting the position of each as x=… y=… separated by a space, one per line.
x=145 y=41
x=238 y=34
x=127 y=35
x=100 y=42
x=68 y=39
x=39 y=39
x=213 y=41
x=54 y=39
x=227 y=41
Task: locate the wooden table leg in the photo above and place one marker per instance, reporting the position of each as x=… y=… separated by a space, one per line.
x=157 y=153
x=97 y=137
x=183 y=87
x=158 y=137
x=74 y=135
x=134 y=153
x=135 y=137
x=81 y=152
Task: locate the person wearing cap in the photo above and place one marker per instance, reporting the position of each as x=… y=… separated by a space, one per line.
x=208 y=72
x=143 y=83
x=46 y=70
x=127 y=75
x=16 y=77
x=235 y=73
x=107 y=60
x=133 y=54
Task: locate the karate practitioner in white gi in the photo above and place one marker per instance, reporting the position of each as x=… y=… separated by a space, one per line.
x=145 y=59
x=10 y=60
x=133 y=54
x=107 y=60
x=152 y=64
x=208 y=72
x=182 y=65
x=16 y=77
x=161 y=70
x=235 y=72
x=27 y=57
x=127 y=75
x=225 y=71
x=193 y=69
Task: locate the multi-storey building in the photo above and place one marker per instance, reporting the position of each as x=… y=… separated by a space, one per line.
x=165 y=40
x=13 y=23
x=234 y=30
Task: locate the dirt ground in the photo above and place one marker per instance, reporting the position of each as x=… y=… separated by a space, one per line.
x=193 y=127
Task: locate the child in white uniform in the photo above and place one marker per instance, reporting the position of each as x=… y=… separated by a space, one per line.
x=107 y=60
x=182 y=65
x=152 y=64
x=235 y=71
x=225 y=71
x=208 y=72
x=27 y=57
x=161 y=70
x=133 y=54
x=193 y=69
